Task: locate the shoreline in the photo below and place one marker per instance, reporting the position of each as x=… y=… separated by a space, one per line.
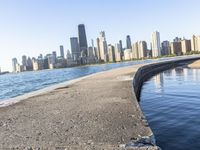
x=14 y=100
x=17 y=99
x=49 y=88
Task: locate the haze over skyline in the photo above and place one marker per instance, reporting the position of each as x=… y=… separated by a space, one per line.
x=34 y=27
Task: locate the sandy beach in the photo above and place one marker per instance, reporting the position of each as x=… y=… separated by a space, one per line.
x=195 y=64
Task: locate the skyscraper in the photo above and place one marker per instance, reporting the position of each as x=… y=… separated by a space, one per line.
x=68 y=55
x=121 y=49
x=75 y=49
x=54 y=57
x=121 y=46
x=111 y=53
x=142 y=49
x=135 y=50
x=82 y=40
x=103 y=47
x=155 y=41
x=50 y=61
x=195 y=43
x=14 y=64
x=35 y=64
x=177 y=39
x=94 y=49
x=24 y=63
x=128 y=42
x=185 y=46
x=118 y=52
x=29 y=64
x=98 y=50
x=166 y=50
x=62 y=51
x=176 y=48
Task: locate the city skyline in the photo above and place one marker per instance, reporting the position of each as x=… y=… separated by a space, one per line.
x=22 y=33
x=82 y=54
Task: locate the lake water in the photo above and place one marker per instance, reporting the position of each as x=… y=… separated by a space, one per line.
x=171 y=104
x=12 y=85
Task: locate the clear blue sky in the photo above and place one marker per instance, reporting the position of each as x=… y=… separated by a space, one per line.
x=32 y=27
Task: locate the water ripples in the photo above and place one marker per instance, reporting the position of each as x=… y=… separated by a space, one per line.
x=171 y=103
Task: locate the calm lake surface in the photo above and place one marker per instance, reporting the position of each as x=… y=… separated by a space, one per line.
x=171 y=104
x=12 y=85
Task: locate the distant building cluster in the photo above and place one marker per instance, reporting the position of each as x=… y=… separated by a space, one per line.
x=103 y=52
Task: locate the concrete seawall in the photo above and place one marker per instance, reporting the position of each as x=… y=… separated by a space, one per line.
x=98 y=112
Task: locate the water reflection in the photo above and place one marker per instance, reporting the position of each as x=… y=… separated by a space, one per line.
x=171 y=103
x=158 y=80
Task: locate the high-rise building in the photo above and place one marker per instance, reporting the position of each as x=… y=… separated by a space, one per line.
x=135 y=50
x=177 y=39
x=54 y=57
x=14 y=64
x=142 y=49
x=62 y=51
x=118 y=52
x=176 y=48
x=29 y=64
x=111 y=53
x=75 y=49
x=121 y=46
x=40 y=56
x=35 y=64
x=195 y=43
x=24 y=63
x=91 y=52
x=46 y=64
x=121 y=49
x=103 y=47
x=50 y=58
x=91 y=55
x=165 y=50
x=19 y=68
x=155 y=41
x=69 y=56
x=128 y=42
x=82 y=40
x=94 y=48
x=128 y=54
x=70 y=60
x=185 y=46
x=98 y=50
x=40 y=64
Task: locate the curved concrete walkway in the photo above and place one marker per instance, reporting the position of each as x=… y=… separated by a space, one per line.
x=99 y=112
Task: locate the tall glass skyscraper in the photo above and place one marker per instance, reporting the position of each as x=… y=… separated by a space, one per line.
x=82 y=40
x=155 y=41
x=128 y=42
x=75 y=48
x=62 y=51
x=14 y=64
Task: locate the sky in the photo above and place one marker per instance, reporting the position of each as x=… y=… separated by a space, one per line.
x=33 y=27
